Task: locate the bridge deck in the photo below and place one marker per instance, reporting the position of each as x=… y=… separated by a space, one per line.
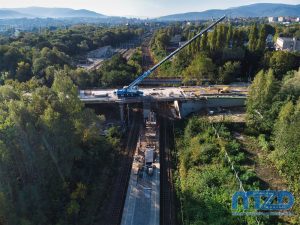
x=166 y=94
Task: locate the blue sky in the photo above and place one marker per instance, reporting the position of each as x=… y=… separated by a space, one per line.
x=140 y=8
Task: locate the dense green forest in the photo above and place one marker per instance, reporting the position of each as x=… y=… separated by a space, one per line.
x=226 y=54
x=51 y=153
x=40 y=55
x=274 y=117
x=55 y=165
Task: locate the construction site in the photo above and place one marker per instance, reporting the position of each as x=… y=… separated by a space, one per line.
x=143 y=191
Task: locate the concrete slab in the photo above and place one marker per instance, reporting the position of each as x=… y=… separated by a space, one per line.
x=165 y=93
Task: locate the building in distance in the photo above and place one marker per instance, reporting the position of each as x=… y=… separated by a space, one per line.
x=288 y=44
x=281 y=19
x=272 y=19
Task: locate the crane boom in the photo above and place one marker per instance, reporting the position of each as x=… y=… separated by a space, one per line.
x=131 y=89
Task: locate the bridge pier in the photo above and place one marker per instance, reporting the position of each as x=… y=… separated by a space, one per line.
x=122 y=116
x=146 y=107
x=124 y=113
x=128 y=114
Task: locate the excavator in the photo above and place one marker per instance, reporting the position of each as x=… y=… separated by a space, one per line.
x=132 y=89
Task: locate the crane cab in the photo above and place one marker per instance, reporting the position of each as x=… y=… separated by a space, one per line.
x=126 y=92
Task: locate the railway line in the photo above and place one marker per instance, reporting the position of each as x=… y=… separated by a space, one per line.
x=116 y=202
x=167 y=202
x=147 y=58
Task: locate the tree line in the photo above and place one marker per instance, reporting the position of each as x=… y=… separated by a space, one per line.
x=226 y=54
x=40 y=55
x=55 y=167
x=273 y=115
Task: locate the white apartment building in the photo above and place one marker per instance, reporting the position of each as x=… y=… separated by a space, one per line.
x=289 y=44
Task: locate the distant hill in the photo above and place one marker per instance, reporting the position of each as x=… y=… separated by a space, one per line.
x=254 y=10
x=40 y=12
x=8 y=14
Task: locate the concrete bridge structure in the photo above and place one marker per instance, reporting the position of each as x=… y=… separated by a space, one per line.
x=174 y=102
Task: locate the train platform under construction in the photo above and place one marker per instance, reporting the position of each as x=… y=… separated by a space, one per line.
x=142 y=204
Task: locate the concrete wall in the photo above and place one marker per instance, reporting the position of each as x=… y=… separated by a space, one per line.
x=177 y=108
x=191 y=106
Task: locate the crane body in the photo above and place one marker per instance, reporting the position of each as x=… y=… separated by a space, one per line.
x=132 y=89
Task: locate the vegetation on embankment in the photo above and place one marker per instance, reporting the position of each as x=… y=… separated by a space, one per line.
x=41 y=55
x=273 y=111
x=204 y=179
x=55 y=167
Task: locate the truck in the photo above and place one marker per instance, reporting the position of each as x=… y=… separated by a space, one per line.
x=149 y=156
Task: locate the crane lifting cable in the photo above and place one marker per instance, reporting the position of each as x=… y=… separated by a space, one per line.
x=132 y=89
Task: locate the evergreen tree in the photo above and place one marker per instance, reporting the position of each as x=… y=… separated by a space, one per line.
x=259 y=103
x=220 y=40
x=229 y=36
x=194 y=44
x=253 y=36
x=198 y=43
x=204 y=42
x=221 y=36
x=190 y=48
x=237 y=38
x=213 y=39
x=261 y=44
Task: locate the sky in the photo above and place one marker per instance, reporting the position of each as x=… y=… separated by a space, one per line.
x=139 y=8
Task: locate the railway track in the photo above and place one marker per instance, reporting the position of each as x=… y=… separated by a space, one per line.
x=147 y=60
x=167 y=203
x=117 y=200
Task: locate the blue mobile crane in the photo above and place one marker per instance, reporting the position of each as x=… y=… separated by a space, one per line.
x=132 y=89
